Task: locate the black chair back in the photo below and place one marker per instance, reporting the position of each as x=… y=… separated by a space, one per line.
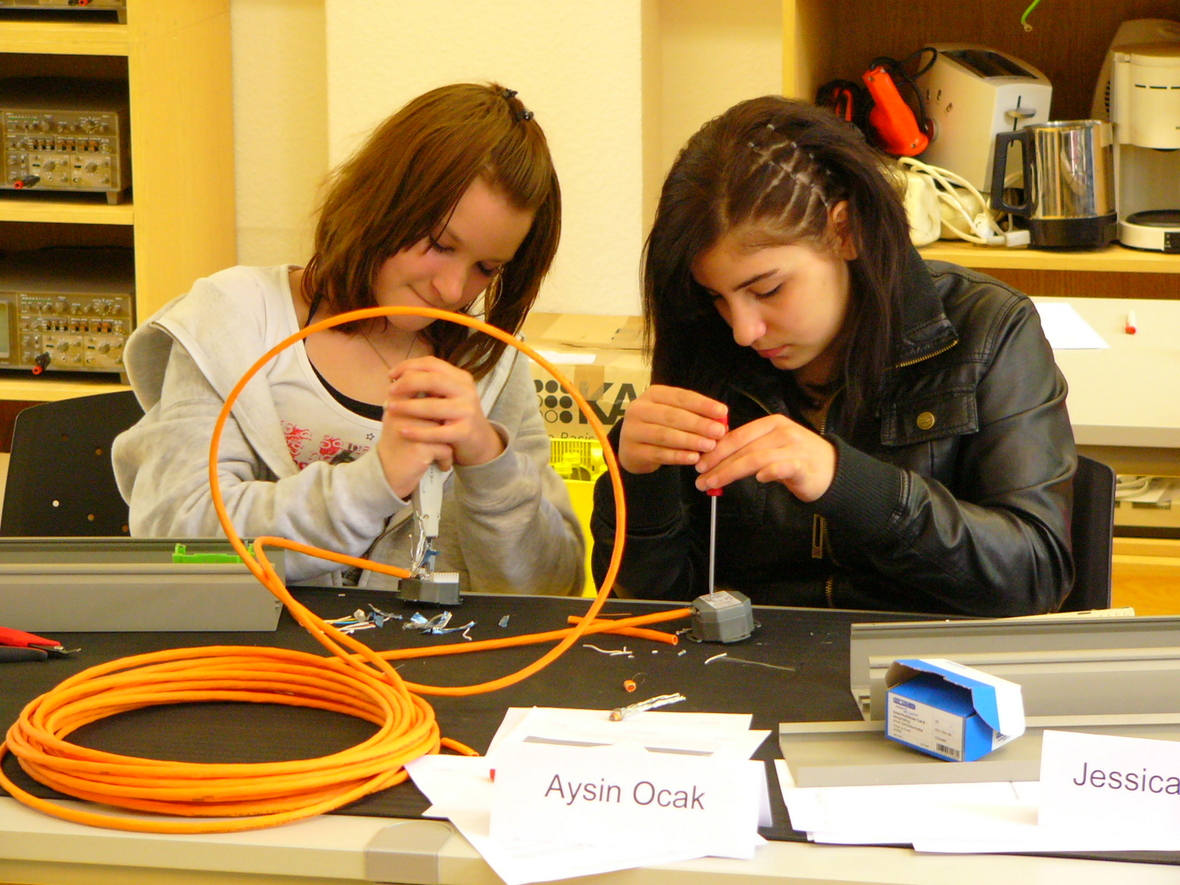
x=1092 y=531
x=60 y=479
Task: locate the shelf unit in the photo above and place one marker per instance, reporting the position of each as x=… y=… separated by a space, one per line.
x=176 y=58
x=826 y=39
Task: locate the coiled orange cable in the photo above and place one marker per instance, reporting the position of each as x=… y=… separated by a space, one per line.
x=353 y=680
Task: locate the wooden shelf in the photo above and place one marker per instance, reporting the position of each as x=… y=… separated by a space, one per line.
x=823 y=40
x=64 y=38
x=1115 y=259
x=65 y=211
x=46 y=390
x=175 y=57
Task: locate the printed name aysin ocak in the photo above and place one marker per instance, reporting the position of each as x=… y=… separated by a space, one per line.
x=643 y=793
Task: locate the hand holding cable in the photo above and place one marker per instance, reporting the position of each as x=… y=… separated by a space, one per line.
x=445 y=403
x=432 y=416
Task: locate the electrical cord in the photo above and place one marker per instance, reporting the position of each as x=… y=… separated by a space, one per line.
x=1027 y=12
x=982 y=228
x=1130 y=486
x=353 y=680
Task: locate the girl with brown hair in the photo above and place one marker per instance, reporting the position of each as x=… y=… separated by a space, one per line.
x=897 y=433
x=453 y=204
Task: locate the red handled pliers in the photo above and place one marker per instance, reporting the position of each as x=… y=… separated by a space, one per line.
x=17 y=645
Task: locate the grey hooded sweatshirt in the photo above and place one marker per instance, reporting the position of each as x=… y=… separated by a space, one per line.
x=507 y=526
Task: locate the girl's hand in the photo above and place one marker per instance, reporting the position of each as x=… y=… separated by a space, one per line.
x=669 y=425
x=771 y=449
x=432 y=403
x=404 y=461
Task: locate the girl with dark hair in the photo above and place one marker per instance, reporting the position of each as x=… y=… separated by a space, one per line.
x=452 y=203
x=897 y=434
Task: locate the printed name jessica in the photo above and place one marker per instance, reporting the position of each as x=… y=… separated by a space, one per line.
x=1131 y=781
x=643 y=793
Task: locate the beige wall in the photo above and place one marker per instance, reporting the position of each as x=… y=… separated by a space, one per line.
x=617 y=84
x=280 y=130
x=576 y=65
x=714 y=54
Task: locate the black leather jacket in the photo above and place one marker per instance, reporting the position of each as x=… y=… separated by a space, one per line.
x=956 y=498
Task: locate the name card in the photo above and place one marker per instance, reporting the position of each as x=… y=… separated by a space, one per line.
x=627 y=796
x=1118 y=787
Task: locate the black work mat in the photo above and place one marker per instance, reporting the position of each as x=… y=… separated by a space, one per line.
x=813 y=643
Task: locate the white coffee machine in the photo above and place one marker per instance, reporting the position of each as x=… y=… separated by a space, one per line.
x=1145 y=113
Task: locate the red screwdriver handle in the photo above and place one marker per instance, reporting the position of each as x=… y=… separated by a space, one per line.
x=716 y=493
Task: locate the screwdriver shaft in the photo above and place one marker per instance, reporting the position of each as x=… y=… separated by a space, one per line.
x=712 y=543
x=714 y=494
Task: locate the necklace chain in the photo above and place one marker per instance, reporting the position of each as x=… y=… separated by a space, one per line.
x=381 y=356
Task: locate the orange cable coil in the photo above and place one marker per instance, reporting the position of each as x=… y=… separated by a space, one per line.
x=353 y=680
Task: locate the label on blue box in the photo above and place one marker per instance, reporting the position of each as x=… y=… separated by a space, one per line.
x=950 y=711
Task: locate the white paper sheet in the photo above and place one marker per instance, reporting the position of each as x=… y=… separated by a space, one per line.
x=901 y=814
x=461 y=788
x=627 y=796
x=1065 y=328
x=980 y=818
x=707 y=734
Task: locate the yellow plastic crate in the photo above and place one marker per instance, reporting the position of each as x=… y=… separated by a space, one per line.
x=579 y=462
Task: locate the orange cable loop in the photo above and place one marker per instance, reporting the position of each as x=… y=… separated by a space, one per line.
x=624 y=628
x=353 y=680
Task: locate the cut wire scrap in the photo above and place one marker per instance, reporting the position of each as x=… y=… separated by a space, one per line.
x=436 y=626
x=612 y=652
x=358 y=620
x=381 y=617
x=724 y=658
x=662 y=700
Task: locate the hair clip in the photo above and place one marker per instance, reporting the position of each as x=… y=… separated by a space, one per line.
x=520 y=115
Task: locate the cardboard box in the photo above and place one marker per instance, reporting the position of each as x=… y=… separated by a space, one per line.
x=601 y=355
x=950 y=711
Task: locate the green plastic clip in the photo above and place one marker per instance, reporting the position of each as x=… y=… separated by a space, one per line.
x=181 y=554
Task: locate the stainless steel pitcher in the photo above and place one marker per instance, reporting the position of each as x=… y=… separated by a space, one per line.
x=1069 y=196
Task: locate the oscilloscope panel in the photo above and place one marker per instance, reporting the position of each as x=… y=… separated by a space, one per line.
x=66 y=309
x=65 y=134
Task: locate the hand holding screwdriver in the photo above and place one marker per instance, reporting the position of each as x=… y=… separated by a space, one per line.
x=669 y=426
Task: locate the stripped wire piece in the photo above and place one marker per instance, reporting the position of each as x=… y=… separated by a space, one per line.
x=380 y=617
x=613 y=652
x=662 y=700
x=358 y=620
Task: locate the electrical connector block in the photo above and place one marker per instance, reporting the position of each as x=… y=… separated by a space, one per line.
x=440 y=588
x=725 y=616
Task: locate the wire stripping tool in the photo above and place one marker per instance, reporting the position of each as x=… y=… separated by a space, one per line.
x=17 y=645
